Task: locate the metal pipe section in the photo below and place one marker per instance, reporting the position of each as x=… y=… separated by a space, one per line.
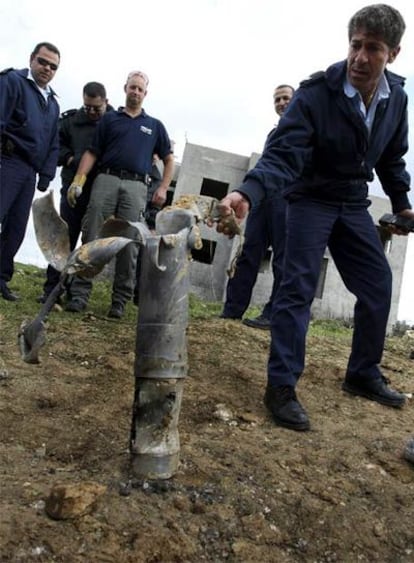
x=161 y=346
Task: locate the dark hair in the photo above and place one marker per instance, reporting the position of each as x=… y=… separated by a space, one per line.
x=46 y=45
x=285 y=86
x=381 y=21
x=94 y=90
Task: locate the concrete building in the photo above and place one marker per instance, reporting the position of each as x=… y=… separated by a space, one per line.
x=214 y=173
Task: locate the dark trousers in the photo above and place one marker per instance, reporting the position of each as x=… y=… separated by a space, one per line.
x=354 y=244
x=17 y=186
x=265 y=226
x=73 y=217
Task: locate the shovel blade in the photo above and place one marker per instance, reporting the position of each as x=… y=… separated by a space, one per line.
x=31 y=338
x=90 y=258
x=51 y=231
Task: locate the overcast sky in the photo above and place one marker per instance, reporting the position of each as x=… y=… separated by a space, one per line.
x=212 y=64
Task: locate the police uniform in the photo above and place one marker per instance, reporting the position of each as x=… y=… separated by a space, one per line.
x=29 y=145
x=76 y=131
x=322 y=156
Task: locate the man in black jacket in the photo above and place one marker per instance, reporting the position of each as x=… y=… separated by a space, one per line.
x=76 y=129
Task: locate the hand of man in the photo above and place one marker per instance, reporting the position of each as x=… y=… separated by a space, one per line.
x=407 y=214
x=234 y=205
x=160 y=197
x=42 y=184
x=75 y=189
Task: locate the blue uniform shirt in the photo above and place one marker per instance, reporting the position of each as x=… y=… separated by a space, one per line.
x=129 y=143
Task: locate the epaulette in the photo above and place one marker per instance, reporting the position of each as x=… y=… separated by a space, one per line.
x=68 y=113
x=6 y=70
x=313 y=79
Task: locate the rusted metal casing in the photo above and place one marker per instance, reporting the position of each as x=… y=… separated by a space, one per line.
x=161 y=353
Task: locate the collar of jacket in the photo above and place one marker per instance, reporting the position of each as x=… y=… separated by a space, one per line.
x=335 y=75
x=24 y=73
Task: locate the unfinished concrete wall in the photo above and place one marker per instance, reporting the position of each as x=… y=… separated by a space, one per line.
x=215 y=173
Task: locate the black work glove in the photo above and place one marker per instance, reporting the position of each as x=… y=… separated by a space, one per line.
x=42 y=184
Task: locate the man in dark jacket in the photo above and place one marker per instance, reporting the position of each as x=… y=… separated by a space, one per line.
x=265 y=226
x=29 y=116
x=76 y=130
x=340 y=126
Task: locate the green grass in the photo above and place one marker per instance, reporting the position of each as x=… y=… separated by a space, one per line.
x=28 y=282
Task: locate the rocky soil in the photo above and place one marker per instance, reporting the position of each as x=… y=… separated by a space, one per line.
x=245 y=490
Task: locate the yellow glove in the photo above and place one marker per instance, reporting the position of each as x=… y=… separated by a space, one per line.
x=75 y=189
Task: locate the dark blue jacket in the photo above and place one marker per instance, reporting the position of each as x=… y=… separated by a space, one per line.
x=321 y=148
x=29 y=121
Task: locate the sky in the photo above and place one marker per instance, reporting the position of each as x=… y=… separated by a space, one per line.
x=212 y=65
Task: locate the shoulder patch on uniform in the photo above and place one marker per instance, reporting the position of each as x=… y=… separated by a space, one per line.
x=313 y=78
x=6 y=70
x=68 y=113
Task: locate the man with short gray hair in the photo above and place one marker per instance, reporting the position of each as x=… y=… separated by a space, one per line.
x=342 y=124
x=123 y=146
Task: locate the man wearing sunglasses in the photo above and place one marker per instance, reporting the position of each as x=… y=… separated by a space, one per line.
x=76 y=130
x=29 y=116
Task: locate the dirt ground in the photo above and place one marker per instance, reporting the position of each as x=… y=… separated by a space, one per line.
x=245 y=490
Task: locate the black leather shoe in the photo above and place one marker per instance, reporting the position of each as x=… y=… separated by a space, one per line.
x=259 y=322
x=116 y=311
x=75 y=306
x=375 y=390
x=7 y=294
x=285 y=408
x=226 y=316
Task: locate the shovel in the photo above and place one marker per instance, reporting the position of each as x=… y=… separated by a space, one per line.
x=87 y=261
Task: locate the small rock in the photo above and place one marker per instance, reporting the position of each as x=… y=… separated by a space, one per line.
x=409 y=450
x=223 y=413
x=72 y=500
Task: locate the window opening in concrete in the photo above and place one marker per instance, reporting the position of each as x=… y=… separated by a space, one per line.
x=265 y=263
x=386 y=238
x=170 y=192
x=205 y=255
x=322 y=277
x=214 y=188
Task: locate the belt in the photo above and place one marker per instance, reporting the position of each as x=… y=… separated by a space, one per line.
x=127 y=175
x=9 y=148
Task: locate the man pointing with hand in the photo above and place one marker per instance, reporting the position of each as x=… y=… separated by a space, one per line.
x=341 y=125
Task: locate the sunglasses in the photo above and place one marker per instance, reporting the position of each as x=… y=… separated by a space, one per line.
x=93 y=109
x=45 y=63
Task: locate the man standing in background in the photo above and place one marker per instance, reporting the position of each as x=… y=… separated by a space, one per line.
x=124 y=145
x=76 y=131
x=29 y=116
x=265 y=226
